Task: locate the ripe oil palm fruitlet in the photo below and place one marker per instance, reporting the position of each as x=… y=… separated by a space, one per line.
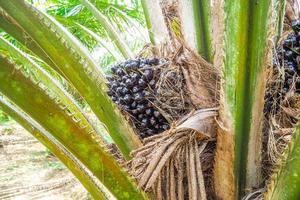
x=209 y=110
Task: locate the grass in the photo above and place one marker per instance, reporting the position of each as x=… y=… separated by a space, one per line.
x=49 y=158
x=8 y=130
x=54 y=164
x=4 y=117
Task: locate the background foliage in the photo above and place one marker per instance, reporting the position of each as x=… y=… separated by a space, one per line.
x=127 y=16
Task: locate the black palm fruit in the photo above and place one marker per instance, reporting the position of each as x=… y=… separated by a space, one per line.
x=110 y=93
x=133 y=105
x=143 y=134
x=141 y=108
x=288 y=57
x=156 y=114
x=165 y=127
x=290 y=41
x=148 y=74
x=125 y=90
x=129 y=83
x=153 y=61
x=146 y=121
x=152 y=83
x=114 y=99
x=114 y=69
x=131 y=66
x=149 y=111
x=156 y=127
x=135 y=77
x=146 y=93
x=141 y=116
x=153 y=121
x=136 y=89
x=128 y=99
x=138 y=97
x=119 y=90
x=296 y=25
x=125 y=107
x=150 y=132
x=124 y=78
x=120 y=72
x=113 y=85
x=142 y=83
x=132 y=88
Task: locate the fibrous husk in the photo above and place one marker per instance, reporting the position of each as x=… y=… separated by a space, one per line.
x=199 y=75
x=292 y=13
x=292 y=10
x=187 y=82
x=281 y=118
x=178 y=163
x=169 y=164
x=282 y=110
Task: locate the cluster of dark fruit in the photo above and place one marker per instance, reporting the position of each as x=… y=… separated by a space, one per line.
x=288 y=56
x=132 y=88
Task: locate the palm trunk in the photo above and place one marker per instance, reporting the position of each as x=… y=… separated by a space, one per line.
x=158 y=31
x=195 y=22
x=243 y=58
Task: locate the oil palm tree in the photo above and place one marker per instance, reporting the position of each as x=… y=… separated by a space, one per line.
x=235 y=35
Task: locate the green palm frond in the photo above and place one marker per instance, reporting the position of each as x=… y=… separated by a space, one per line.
x=81 y=173
x=48 y=51
x=243 y=63
x=47 y=108
x=77 y=66
x=118 y=13
x=285 y=182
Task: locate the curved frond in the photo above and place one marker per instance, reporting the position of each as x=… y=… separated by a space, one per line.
x=15 y=30
x=111 y=31
x=285 y=182
x=74 y=61
x=55 y=147
x=196 y=26
x=46 y=108
x=244 y=59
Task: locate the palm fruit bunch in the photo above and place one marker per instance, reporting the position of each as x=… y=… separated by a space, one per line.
x=287 y=56
x=132 y=87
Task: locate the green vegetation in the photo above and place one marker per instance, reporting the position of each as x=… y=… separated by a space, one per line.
x=3 y=117
x=54 y=56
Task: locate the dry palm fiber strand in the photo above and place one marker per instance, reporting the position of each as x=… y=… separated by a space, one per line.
x=169 y=164
x=282 y=98
x=186 y=81
x=166 y=94
x=282 y=107
x=177 y=163
x=292 y=11
x=283 y=91
x=282 y=103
